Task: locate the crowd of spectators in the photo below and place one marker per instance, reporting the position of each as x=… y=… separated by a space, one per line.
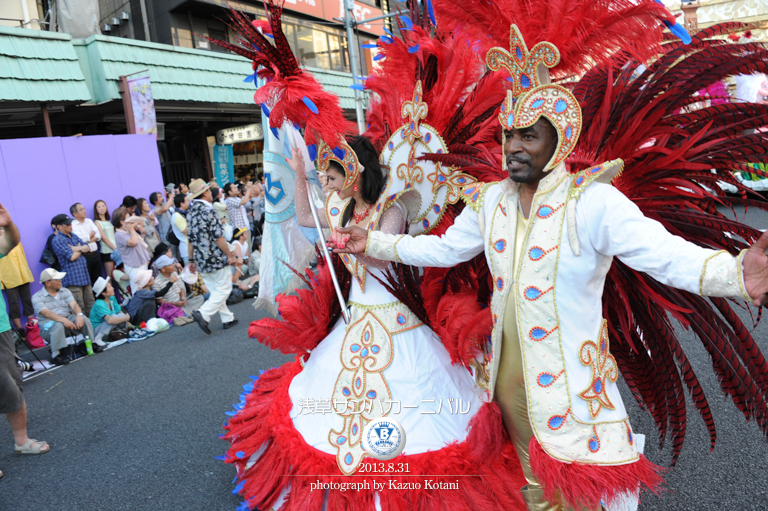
x=180 y=256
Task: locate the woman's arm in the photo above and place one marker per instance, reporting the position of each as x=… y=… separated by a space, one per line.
x=105 y=239
x=303 y=213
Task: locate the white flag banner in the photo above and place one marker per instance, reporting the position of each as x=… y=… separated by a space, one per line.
x=282 y=240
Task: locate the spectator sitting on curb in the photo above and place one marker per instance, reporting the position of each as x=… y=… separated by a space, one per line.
x=106 y=313
x=12 y=403
x=58 y=314
x=143 y=306
x=177 y=295
x=69 y=248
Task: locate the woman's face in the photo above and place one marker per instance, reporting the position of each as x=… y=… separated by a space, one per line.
x=336 y=182
x=101 y=208
x=145 y=207
x=109 y=290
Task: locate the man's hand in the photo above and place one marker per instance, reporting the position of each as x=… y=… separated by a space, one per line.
x=79 y=321
x=174 y=278
x=93 y=236
x=231 y=259
x=756 y=271
x=348 y=240
x=68 y=324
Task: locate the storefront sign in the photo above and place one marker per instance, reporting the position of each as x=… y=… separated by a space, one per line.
x=240 y=134
x=143 y=105
x=224 y=162
x=330 y=9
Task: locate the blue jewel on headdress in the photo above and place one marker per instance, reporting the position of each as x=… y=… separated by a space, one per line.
x=568 y=132
x=560 y=106
x=524 y=80
x=538 y=103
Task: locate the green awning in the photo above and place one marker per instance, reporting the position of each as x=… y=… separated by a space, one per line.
x=40 y=67
x=337 y=83
x=177 y=74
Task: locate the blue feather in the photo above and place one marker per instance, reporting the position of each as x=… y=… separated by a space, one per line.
x=339 y=152
x=414 y=49
x=264 y=109
x=677 y=29
x=379 y=56
x=310 y=104
x=407 y=21
x=250 y=78
x=388 y=32
x=312 y=149
x=357 y=86
x=386 y=40
x=369 y=45
x=275 y=133
x=431 y=11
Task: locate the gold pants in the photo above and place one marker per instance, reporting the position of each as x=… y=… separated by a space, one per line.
x=511 y=396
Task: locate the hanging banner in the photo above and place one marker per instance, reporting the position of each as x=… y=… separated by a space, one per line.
x=224 y=161
x=143 y=105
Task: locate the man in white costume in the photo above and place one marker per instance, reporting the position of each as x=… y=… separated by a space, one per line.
x=549 y=238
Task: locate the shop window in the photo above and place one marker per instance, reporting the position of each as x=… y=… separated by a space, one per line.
x=338 y=52
x=312 y=48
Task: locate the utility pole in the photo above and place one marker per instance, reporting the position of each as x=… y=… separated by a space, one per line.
x=349 y=20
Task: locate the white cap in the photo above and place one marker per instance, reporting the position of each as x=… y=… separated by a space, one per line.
x=51 y=274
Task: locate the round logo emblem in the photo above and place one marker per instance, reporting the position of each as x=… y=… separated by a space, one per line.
x=383 y=439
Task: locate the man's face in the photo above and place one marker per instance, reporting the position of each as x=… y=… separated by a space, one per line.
x=66 y=229
x=184 y=189
x=528 y=151
x=80 y=213
x=185 y=205
x=207 y=196
x=53 y=285
x=233 y=191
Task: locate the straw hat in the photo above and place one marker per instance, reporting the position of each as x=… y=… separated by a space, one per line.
x=197 y=187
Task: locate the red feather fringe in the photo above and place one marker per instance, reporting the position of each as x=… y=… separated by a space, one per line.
x=587 y=32
x=307 y=316
x=487 y=483
x=581 y=484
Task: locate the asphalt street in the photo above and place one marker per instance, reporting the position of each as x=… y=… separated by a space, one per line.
x=136 y=428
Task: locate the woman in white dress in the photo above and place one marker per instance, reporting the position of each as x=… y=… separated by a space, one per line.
x=307 y=417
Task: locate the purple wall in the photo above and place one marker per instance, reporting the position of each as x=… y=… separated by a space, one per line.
x=42 y=177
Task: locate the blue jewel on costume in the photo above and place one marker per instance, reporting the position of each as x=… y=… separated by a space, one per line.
x=375 y=349
x=400 y=319
x=354 y=348
x=348 y=459
x=560 y=106
x=604 y=369
x=500 y=245
x=334 y=211
x=371 y=394
x=364 y=353
x=341 y=440
x=346 y=391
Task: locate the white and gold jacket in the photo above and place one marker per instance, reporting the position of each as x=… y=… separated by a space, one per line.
x=578 y=223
